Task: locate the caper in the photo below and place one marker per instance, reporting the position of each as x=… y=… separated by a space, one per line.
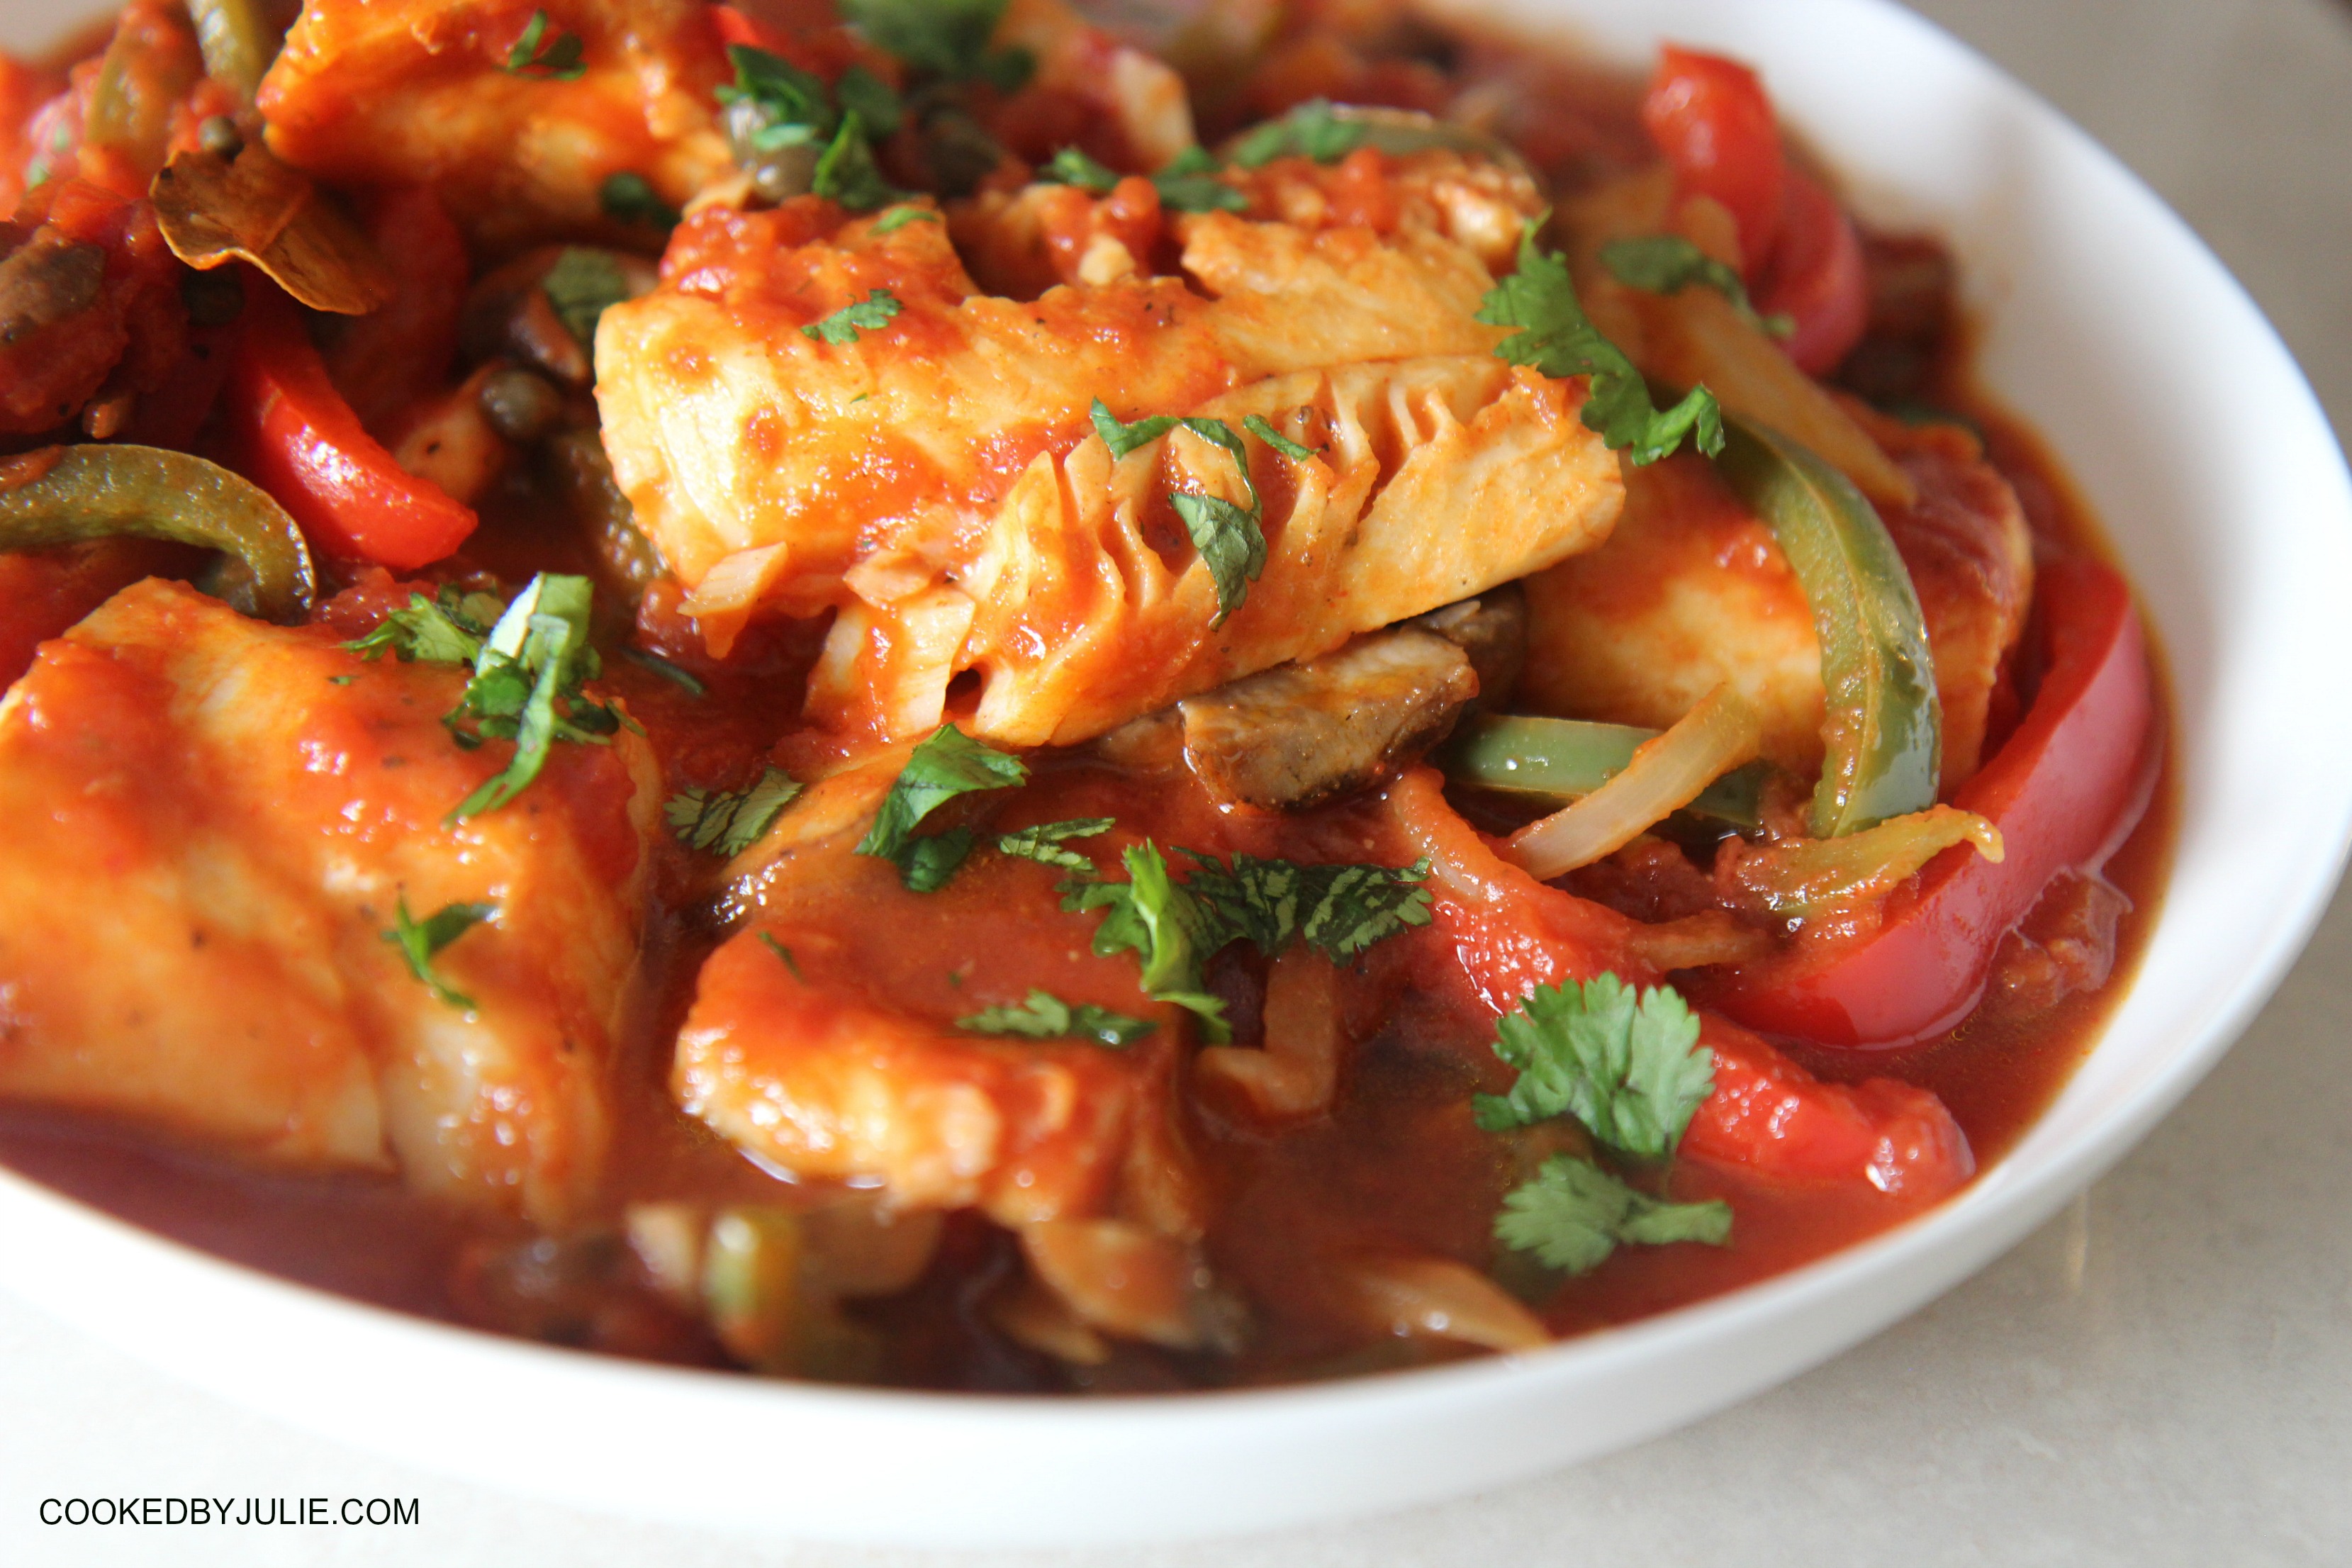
x=520 y=404
x=219 y=135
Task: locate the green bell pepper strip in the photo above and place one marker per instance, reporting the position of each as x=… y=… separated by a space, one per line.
x=1885 y=729
x=238 y=44
x=97 y=492
x=1561 y=759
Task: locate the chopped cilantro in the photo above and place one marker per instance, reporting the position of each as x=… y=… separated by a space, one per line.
x=846 y=172
x=941 y=38
x=1312 y=130
x=873 y=101
x=559 y=59
x=947 y=764
x=1630 y=1068
x=1072 y=167
x=878 y=309
x=582 y=285
x=685 y=680
x=418 y=941
x=340 y=679
x=1171 y=933
x=1339 y=910
x=898 y=218
x=526 y=688
x=786 y=106
x=781 y=950
x=1668 y=264
x=629 y=197
x=1259 y=425
x=448 y=629
x=728 y=822
x=1189 y=184
x=1045 y=1016
x=1557 y=339
x=1573 y=1214
x=1231 y=539
x=1043 y=843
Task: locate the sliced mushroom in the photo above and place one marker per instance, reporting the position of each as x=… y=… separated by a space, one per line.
x=1300 y=734
x=215 y=210
x=1493 y=630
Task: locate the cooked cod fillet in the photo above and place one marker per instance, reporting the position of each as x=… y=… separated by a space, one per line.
x=209 y=841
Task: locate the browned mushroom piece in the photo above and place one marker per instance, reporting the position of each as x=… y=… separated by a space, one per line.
x=1493 y=630
x=1301 y=733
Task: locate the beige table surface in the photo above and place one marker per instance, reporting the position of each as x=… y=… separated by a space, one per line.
x=2162 y=1376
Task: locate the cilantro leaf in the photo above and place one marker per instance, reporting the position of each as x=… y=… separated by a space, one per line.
x=941 y=38
x=1558 y=339
x=898 y=218
x=1339 y=910
x=1573 y=1214
x=878 y=309
x=448 y=629
x=526 y=688
x=1630 y=1068
x=559 y=59
x=1231 y=539
x=418 y=941
x=630 y=197
x=1171 y=933
x=846 y=172
x=947 y=764
x=1045 y=1016
x=729 y=821
x=1072 y=167
x=1312 y=130
x=1260 y=426
x=776 y=103
x=875 y=102
x=686 y=679
x=582 y=285
x=1668 y=264
x=1043 y=842
x=1189 y=184
x=785 y=953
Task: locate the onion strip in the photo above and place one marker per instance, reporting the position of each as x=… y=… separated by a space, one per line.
x=1665 y=774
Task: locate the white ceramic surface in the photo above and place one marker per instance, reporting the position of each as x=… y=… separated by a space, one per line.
x=2192 y=434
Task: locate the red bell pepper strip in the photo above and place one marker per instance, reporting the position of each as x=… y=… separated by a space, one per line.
x=299 y=439
x=735 y=27
x=1510 y=933
x=1817 y=278
x=2063 y=791
x=1713 y=121
x=1771 y=1118
x=1798 y=250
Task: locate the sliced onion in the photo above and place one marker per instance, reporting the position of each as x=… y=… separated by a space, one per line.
x=1437 y=1298
x=1295 y=1075
x=1721 y=733
x=1814 y=874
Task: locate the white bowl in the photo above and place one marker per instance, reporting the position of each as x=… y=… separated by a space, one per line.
x=2171 y=402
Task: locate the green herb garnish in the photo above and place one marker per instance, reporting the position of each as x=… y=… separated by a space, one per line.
x=1668 y=264
x=526 y=688
x=628 y=198
x=1312 y=130
x=947 y=764
x=1045 y=1016
x=1231 y=539
x=878 y=309
x=1043 y=843
x=1629 y=1068
x=728 y=822
x=1340 y=910
x=581 y=286
x=448 y=629
x=1573 y=1214
x=418 y=941
x=1556 y=338
x=559 y=59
